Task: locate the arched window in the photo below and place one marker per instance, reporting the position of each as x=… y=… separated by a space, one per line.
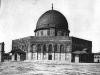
x=44 y=48
x=61 y=48
x=55 y=48
x=50 y=48
x=38 y=48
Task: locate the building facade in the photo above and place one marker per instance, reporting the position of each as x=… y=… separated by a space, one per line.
x=1 y=51
x=51 y=41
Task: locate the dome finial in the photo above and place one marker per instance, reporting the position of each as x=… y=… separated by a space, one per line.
x=52 y=6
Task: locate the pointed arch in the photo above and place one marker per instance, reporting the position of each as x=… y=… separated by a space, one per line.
x=50 y=48
x=38 y=48
x=44 y=48
x=61 y=48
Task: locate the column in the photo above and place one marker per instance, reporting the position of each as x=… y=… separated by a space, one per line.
x=26 y=55
x=47 y=51
x=95 y=58
x=68 y=57
x=59 y=54
x=68 y=49
x=53 y=52
x=29 y=51
x=29 y=55
x=63 y=56
x=41 y=54
x=35 y=54
x=65 y=51
x=1 y=57
x=18 y=57
x=13 y=57
x=77 y=59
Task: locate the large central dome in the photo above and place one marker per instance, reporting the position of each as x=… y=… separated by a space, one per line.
x=52 y=19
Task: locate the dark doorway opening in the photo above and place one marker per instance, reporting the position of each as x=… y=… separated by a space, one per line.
x=98 y=61
x=50 y=57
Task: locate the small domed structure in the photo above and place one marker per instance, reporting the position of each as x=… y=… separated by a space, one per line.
x=52 y=19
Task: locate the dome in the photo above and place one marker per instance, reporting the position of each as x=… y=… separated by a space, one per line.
x=52 y=19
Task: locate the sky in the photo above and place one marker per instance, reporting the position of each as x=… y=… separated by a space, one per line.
x=18 y=19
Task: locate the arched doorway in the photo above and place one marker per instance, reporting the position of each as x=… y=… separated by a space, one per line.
x=44 y=48
x=16 y=56
x=49 y=52
x=49 y=57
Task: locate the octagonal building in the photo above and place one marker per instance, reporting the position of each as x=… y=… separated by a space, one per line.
x=51 y=41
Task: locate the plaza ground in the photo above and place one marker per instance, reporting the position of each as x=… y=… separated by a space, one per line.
x=38 y=68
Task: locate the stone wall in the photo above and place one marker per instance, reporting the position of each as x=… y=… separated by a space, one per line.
x=2 y=52
x=50 y=56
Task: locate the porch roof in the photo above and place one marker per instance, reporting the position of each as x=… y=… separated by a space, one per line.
x=19 y=51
